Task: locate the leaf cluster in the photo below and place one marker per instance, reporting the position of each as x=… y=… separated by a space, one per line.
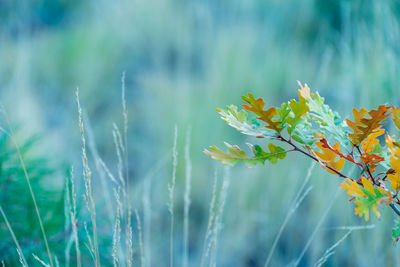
x=309 y=126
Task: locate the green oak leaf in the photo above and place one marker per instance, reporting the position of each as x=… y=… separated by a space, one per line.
x=328 y=121
x=236 y=154
x=238 y=120
x=371 y=201
x=299 y=109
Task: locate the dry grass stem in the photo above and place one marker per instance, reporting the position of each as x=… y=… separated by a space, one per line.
x=295 y=204
x=218 y=217
x=40 y=261
x=87 y=177
x=210 y=220
x=71 y=199
x=19 y=250
x=171 y=190
x=186 y=200
x=117 y=230
x=139 y=228
x=330 y=251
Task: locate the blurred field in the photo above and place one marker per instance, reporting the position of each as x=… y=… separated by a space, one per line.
x=182 y=60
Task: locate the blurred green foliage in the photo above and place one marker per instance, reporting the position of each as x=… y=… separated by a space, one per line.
x=18 y=205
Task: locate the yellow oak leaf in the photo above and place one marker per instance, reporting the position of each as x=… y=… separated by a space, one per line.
x=394 y=162
x=328 y=157
x=367 y=196
x=352 y=188
x=396 y=118
x=372 y=140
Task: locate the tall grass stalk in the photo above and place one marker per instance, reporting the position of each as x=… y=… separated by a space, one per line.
x=139 y=229
x=171 y=189
x=20 y=257
x=56 y=261
x=89 y=246
x=119 y=148
x=331 y=250
x=87 y=177
x=218 y=216
x=40 y=260
x=186 y=200
x=129 y=240
x=147 y=213
x=317 y=227
x=67 y=223
x=147 y=208
x=71 y=199
x=211 y=216
x=354 y=227
x=19 y=250
x=125 y=128
x=290 y=212
x=128 y=229
x=14 y=141
x=98 y=162
x=117 y=230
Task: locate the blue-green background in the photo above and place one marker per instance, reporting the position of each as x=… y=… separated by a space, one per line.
x=182 y=60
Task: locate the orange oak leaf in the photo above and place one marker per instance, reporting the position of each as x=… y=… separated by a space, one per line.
x=328 y=157
x=363 y=125
x=367 y=146
x=372 y=140
x=257 y=106
x=394 y=176
x=326 y=145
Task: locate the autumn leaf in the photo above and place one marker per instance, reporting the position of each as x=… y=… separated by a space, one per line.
x=372 y=140
x=268 y=115
x=238 y=120
x=310 y=123
x=358 y=115
x=374 y=197
x=299 y=109
x=328 y=157
x=368 y=145
x=326 y=145
x=394 y=177
x=352 y=188
x=396 y=118
x=236 y=155
x=367 y=197
x=363 y=126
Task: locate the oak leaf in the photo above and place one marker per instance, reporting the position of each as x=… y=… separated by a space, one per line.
x=363 y=126
x=328 y=157
x=268 y=115
x=236 y=154
x=238 y=120
x=394 y=161
x=326 y=145
x=367 y=196
x=396 y=118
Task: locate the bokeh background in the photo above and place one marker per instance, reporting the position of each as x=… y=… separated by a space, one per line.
x=182 y=60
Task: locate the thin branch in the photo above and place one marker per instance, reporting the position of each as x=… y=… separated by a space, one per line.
x=296 y=148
